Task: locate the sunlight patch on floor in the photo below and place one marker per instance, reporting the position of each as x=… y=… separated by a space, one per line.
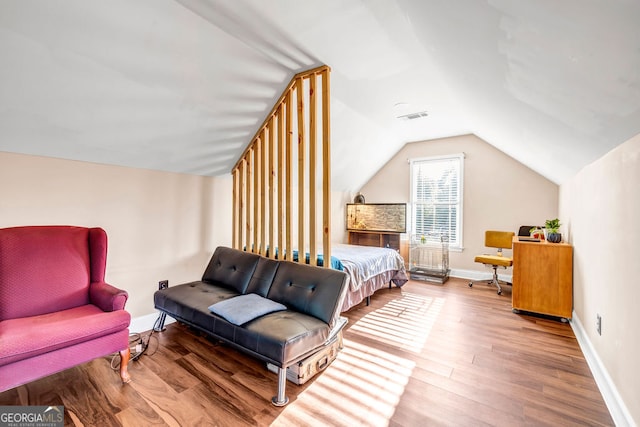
x=364 y=384
x=361 y=387
x=404 y=322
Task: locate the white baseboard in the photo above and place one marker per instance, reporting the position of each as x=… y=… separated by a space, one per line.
x=478 y=275
x=145 y=323
x=615 y=404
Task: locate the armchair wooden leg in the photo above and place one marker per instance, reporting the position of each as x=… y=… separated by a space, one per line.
x=124 y=362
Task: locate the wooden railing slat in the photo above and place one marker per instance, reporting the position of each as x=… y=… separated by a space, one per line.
x=247 y=211
x=281 y=175
x=302 y=151
x=234 y=209
x=313 y=246
x=326 y=168
x=288 y=179
x=263 y=192
x=272 y=189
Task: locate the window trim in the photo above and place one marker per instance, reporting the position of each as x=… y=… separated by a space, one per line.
x=457 y=156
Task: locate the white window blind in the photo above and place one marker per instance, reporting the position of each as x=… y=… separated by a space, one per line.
x=436 y=198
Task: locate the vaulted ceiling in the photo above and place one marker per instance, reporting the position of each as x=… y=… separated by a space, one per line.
x=182 y=85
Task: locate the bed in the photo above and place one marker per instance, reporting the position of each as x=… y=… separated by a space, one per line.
x=369 y=269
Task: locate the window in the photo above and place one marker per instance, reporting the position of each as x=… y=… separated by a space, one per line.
x=436 y=198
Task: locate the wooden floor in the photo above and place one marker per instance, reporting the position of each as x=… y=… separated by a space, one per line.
x=421 y=355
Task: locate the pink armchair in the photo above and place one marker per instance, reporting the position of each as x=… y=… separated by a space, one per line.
x=56 y=311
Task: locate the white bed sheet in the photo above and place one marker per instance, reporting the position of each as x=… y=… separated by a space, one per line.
x=362 y=263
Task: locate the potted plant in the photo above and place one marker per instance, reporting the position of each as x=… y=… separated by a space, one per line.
x=552 y=226
x=537 y=233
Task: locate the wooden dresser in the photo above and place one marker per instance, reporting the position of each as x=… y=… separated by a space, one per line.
x=543 y=278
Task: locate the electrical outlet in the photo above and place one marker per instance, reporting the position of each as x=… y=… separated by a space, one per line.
x=599 y=324
x=163 y=284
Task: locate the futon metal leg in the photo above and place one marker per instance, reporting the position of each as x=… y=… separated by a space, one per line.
x=159 y=326
x=281 y=399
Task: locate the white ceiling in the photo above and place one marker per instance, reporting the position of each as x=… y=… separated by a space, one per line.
x=183 y=85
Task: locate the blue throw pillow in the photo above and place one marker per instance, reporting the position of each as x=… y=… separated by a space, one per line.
x=244 y=308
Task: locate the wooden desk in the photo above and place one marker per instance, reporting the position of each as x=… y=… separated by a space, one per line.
x=543 y=278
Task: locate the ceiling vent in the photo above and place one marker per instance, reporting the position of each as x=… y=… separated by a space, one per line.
x=414 y=116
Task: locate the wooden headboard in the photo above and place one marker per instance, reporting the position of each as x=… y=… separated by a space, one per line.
x=276 y=200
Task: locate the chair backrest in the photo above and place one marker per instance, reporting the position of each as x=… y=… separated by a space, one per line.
x=44 y=269
x=498 y=239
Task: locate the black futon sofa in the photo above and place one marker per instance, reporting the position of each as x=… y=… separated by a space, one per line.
x=312 y=296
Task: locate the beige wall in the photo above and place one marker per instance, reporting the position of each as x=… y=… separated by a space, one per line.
x=499 y=192
x=601 y=210
x=160 y=225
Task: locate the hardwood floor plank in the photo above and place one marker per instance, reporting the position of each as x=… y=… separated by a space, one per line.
x=179 y=380
x=233 y=397
x=81 y=392
x=132 y=416
x=165 y=401
x=481 y=392
x=543 y=415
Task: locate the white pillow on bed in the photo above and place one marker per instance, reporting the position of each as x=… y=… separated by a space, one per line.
x=244 y=308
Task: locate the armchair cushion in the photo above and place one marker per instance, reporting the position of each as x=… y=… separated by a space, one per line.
x=24 y=338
